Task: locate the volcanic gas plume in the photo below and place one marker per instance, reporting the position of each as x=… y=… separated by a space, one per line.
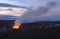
x=34 y=11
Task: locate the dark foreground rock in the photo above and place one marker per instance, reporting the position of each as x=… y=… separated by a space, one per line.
x=31 y=30
x=52 y=33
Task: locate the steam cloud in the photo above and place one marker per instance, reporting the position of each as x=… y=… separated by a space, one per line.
x=33 y=12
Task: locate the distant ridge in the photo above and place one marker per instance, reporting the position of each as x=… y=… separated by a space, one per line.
x=7 y=17
x=10 y=5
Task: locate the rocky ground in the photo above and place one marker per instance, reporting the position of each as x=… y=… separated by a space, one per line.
x=35 y=32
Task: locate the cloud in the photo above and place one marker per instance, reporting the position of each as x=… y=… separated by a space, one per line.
x=28 y=3
x=10 y=5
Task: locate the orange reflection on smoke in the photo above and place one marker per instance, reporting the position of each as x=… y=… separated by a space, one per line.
x=16 y=26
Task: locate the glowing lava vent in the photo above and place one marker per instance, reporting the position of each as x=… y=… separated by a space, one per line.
x=17 y=26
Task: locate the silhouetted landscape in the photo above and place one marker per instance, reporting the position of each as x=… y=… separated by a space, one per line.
x=35 y=30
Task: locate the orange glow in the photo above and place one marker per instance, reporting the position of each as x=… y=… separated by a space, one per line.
x=17 y=26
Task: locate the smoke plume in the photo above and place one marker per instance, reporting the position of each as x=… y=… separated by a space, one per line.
x=31 y=13
x=34 y=12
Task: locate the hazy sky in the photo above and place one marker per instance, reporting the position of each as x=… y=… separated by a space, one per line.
x=28 y=2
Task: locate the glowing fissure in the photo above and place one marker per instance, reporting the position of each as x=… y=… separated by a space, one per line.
x=16 y=25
